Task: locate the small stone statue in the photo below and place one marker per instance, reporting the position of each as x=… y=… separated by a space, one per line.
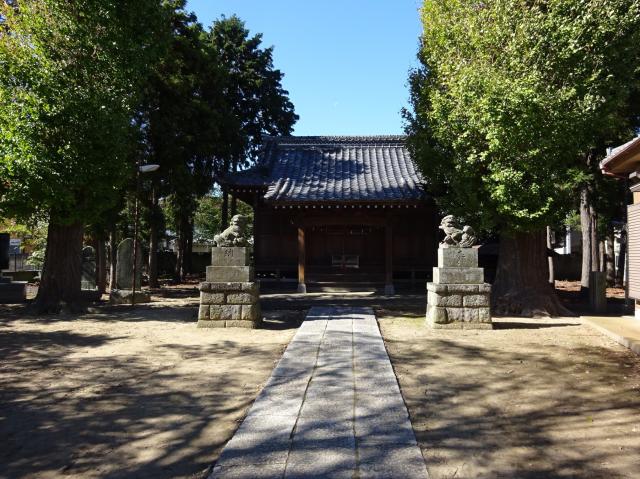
x=454 y=236
x=235 y=234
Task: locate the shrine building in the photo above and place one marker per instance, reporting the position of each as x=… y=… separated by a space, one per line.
x=339 y=211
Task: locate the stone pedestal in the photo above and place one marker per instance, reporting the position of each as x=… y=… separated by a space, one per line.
x=12 y=291
x=458 y=297
x=123 y=296
x=229 y=297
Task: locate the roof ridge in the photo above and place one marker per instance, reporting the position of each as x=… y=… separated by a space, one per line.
x=337 y=139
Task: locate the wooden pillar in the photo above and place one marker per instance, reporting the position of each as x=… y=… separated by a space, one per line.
x=256 y=205
x=302 y=259
x=388 y=259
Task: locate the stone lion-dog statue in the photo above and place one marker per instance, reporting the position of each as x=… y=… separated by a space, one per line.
x=235 y=234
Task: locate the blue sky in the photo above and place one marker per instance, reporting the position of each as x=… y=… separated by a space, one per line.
x=345 y=62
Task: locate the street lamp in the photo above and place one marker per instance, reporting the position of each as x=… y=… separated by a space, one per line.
x=139 y=170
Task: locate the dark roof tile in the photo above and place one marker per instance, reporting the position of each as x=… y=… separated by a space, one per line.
x=323 y=168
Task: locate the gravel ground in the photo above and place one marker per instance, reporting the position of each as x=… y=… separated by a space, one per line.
x=125 y=393
x=535 y=398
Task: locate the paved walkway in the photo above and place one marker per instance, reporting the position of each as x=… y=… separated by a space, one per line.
x=624 y=330
x=331 y=409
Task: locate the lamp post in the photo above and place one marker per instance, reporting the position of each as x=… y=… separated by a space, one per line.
x=140 y=169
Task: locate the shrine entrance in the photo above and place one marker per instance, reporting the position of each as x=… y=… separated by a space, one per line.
x=346 y=253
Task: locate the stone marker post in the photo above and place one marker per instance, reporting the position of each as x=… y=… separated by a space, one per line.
x=10 y=291
x=598 y=291
x=124 y=266
x=124 y=276
x=88 y=279
x=230 y=296
x=458 y=297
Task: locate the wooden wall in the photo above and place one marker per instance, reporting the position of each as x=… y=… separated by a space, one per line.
x=358 y=231
x=633 y=219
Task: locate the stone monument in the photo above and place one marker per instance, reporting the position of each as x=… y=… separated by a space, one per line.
x=10 y=291
x=88 y=269
x=124 y=275
x=124 y=266
x=458 y=297
x=230 y=296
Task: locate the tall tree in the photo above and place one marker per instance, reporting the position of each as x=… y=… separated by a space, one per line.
x=180 y=122
x=70 y=78
x=512 y=99
x=256 y=100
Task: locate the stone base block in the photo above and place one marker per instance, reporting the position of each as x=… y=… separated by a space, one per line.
x=458 y=275
x=459 y=325
x=458 y=257
x=15 y=292
x=228 y=324
x=226 y=274
x=230 y=256
x=438 y=314
x=458 y=304
x=459 y=288
x=205 y=323
x=123 y=296
x=229 y=305
x=235 y=286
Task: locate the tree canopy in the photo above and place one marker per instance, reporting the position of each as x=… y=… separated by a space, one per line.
x=256 y=100
x=513 y=104
x=70 y=78
x=512 y=96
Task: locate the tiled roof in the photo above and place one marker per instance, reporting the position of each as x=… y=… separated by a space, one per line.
x=619 y=154
x=338 y=169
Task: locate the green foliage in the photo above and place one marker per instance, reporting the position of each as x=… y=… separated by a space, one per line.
x=208 y=103
x=256 y=102
x=33 y=236
x=182 y=110
x=514 y=96
x=70 y=75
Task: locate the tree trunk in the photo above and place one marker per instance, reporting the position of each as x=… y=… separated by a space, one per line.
x=224 y=212
x=153 y=241
x=622 y=259
x=585 y=224
x=610 y=258
x=61 y=273
x=101 y=266
x=234 y=206
x=590 y=243
x=188 y=254
x=113 y=257
x=552 y=276
x=182 y=243
x=595 y=242
x=521 y=287
x=178 y=274
x=153 y=255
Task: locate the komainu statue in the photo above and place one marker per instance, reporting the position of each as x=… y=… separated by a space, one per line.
x=235 y=234
x=454 y=236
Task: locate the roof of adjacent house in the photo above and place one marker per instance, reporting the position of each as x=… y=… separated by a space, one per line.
x=624 y=159
x=334 y=169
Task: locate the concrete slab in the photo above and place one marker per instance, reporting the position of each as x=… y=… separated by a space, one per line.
x=332 y=408
x=248 y=472
x=624 y=330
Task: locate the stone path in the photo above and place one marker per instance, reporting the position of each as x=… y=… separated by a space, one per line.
x=331 y=409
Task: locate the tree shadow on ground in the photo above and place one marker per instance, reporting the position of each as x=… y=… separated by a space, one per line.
x=530 y=325
x=404 y=305
x=69 y=410
x=548 y=405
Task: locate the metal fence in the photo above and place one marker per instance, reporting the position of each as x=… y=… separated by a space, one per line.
x=18 y=262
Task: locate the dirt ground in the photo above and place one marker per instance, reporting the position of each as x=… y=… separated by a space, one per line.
x=535 y=398
x=126 y=393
